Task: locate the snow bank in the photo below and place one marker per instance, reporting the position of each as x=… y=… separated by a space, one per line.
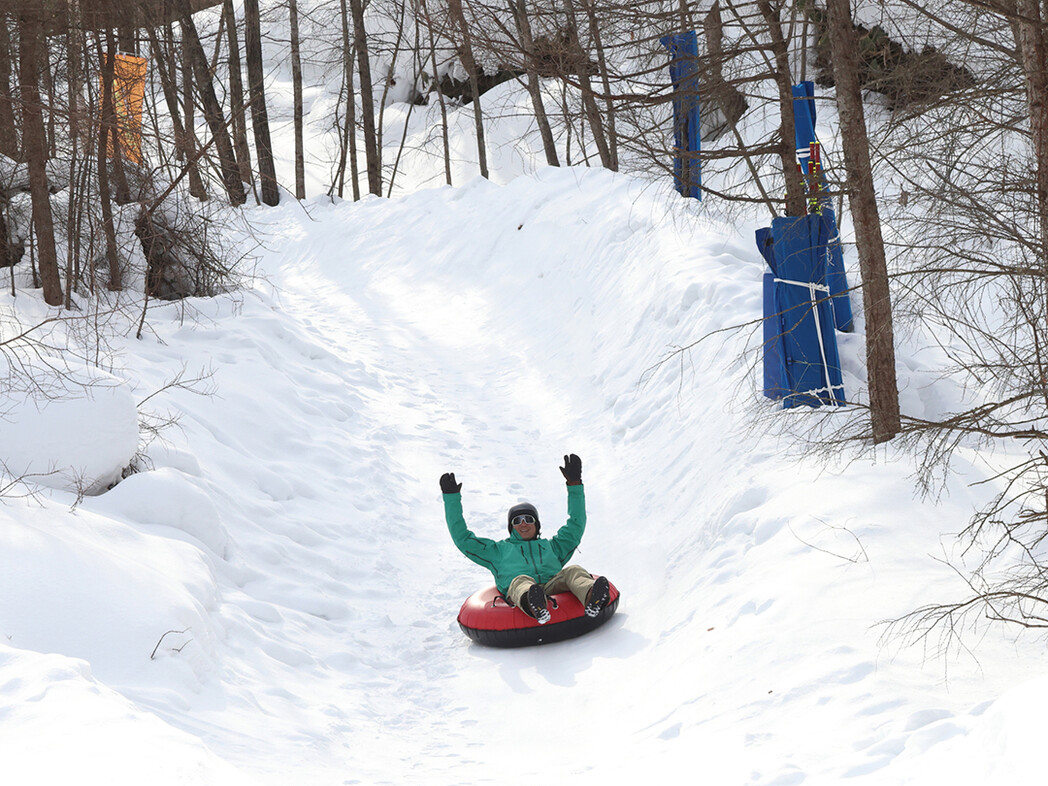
x=69 y=426
x=60 y=725
x=100 y=590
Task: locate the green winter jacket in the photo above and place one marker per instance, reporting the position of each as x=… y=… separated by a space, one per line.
x=540 y=558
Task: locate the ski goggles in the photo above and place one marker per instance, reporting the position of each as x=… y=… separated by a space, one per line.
x=522 y=519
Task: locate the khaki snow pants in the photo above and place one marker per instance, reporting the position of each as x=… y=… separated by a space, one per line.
x=574 y=579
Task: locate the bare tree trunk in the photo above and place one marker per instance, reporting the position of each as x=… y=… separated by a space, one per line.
x=49 y=89
x=125 y=38
x=380 y=125
x=602 y=66
x=1028 y=28
x=589 y=103
x=296 y=86
x=6 y=257
x=567 y=120
x=520 y=16
x=111 y=122
x=33 y=57
x=182 y=66
x=184 y=69
x=182 y=137
x=367 y=99
x=8 y=136
x=259 y=113
x=417 y=68
x=880 y=341
x=470 y=63
x=795 y=204
x=105 y=133
x=349 y=132
x=73 y=76
x=212 y=108
x=237 y=105
x=440 y=95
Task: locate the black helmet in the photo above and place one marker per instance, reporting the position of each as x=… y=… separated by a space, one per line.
x=516 y=510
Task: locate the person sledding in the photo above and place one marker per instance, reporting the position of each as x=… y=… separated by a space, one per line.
x=529 y=568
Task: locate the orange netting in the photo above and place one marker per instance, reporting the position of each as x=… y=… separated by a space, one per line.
x=129 y=85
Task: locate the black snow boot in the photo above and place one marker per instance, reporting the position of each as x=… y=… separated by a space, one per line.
x=535 y=604
x=599 y=595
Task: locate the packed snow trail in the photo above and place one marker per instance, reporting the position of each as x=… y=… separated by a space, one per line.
x=481 y=359
x=287 y=564
x=487 y=331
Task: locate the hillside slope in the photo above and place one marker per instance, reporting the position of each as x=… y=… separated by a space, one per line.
x=277 y=594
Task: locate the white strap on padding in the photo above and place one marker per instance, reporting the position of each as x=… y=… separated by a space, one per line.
x=812 y=289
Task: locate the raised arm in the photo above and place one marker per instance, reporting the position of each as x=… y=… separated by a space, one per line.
x=568 y=537
x=480 y=550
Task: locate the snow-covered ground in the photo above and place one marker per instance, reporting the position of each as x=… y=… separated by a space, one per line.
x=272 y=598
x=289 y=531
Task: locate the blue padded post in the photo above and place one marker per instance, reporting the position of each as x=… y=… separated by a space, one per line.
x=684 y=74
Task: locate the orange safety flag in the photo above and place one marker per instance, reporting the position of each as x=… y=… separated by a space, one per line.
x=129 y=86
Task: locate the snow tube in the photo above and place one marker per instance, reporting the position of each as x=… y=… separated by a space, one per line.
x=487 y=618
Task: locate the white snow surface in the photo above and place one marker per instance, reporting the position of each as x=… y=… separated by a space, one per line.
x=273 y=600
x=75 y=427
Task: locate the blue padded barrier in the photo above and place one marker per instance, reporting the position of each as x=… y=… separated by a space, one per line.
x=775 y=384
x=684 y=74
x=810 y=370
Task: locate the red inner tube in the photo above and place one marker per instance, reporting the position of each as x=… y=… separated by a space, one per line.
x=487 y=618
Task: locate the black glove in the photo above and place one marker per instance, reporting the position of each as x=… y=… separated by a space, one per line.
x=572 y=470
x=448 y=484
